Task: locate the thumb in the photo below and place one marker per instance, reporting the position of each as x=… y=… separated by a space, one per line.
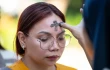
x=76 y=31
x=66 y=26
x=72 y=29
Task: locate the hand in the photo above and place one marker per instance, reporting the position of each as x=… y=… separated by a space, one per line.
x=79 y=32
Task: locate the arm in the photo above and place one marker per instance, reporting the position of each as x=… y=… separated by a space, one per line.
x=80 y=34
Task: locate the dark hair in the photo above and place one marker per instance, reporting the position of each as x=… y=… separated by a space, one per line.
x=33 y=14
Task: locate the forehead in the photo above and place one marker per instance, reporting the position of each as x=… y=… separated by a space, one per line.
x=46 y=25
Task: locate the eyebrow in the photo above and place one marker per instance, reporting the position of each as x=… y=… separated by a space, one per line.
x=61 y=32
x=50 y=33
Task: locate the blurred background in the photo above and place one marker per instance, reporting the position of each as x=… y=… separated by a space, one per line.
x=10 y=11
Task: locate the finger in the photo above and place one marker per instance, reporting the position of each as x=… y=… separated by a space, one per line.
x=81 y=10
x=66 y=26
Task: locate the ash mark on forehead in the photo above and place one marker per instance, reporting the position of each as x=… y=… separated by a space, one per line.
x=55 y=24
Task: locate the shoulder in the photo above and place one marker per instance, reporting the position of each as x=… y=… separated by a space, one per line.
x=19 y=65
x=14 y=66
x=64 y=67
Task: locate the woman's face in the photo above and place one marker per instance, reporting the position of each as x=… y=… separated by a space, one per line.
x=41 y=44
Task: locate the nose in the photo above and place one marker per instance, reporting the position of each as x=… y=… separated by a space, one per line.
x=55 y=46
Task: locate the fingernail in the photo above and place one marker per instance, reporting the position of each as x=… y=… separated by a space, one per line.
x=61 y=23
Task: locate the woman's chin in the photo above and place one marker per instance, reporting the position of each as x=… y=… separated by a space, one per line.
x=50 y=63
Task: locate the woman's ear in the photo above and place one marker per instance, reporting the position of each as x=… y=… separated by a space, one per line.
x=22 y=38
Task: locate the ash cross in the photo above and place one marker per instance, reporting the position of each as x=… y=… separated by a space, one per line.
x=56 y=24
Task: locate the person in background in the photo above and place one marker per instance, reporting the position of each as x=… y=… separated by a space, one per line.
x=97 y=23
x=2 y=63
x=6 y=57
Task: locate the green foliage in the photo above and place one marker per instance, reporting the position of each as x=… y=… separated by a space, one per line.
x=73 y=17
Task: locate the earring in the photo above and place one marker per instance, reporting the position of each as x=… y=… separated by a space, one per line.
x=23 y=47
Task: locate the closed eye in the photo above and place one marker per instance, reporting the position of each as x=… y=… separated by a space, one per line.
x=61 y=38
x=43 y=39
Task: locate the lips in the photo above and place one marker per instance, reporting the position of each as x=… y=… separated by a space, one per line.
x=52 y=58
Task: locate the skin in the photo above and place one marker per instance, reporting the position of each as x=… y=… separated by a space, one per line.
x=35 y=58
x=55 y=24
x=79 y=32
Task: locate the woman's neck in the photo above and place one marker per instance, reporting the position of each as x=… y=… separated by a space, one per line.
x=34 y=66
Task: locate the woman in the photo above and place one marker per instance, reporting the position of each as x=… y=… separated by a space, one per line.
x=40 y=39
